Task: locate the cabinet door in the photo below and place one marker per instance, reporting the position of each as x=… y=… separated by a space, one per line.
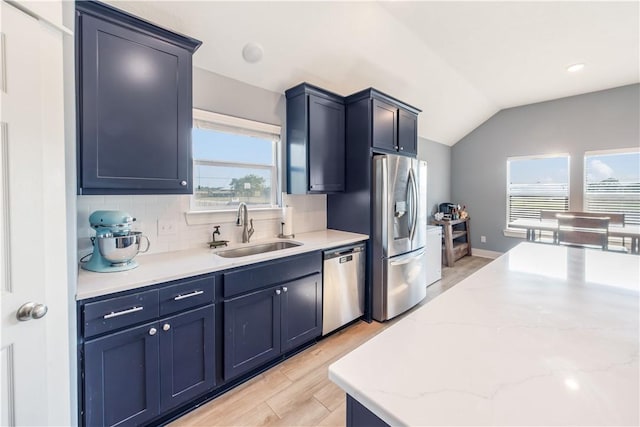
x=187 y=361
x=301 y=311
x=121 y=381
x=326 y=145
x=135 y=111
x=384 y=126
x=407 y=132
x=252 y=331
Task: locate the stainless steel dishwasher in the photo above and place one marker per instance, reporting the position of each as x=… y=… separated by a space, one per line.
x=343 y=286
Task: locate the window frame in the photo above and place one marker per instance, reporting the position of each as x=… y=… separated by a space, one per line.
x=224 y=123
x=629 y=150
x=518 y=232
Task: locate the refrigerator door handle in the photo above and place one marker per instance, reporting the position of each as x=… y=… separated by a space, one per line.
x=414 y=204
x=408 y=259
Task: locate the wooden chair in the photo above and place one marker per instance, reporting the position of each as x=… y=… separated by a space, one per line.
x=583 y=231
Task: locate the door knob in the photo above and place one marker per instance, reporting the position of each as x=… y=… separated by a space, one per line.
x=278 y=291
x=31 y=310
x=166 y=327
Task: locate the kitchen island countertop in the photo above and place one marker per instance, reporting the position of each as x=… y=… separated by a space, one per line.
x=544 y=335
x=164 y=267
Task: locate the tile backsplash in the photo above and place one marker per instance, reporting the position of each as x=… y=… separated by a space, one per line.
x=193 y=230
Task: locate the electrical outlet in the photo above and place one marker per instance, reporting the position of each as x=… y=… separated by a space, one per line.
x=166 y=227
x=483 y=239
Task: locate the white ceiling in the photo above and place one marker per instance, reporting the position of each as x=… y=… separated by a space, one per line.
x=460 y=62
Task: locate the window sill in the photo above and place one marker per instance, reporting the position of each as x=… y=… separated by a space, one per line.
x=211 y=217
x=516 y=233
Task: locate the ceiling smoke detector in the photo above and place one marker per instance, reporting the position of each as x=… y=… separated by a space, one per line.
x=252 y=52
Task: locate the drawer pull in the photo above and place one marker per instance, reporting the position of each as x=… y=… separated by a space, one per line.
x=192 y=294
x=122 y=313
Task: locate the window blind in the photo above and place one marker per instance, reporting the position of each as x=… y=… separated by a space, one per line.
x=612 y=184
x=527 y=200
x=235 y=125
x=537 y=183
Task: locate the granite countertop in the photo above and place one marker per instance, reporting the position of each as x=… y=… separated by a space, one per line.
x=544 y=335
x=163 y=267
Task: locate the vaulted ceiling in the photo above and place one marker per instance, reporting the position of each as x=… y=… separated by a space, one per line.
x=460 y=62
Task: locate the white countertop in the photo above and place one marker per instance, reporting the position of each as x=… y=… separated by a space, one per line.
x=544 y=335
x=163 y=267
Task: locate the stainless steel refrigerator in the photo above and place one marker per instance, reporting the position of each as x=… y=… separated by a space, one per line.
x=399 y=234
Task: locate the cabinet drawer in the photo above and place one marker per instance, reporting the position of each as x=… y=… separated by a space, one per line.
x=119 y=312
x=271 y=273
x=187 y=294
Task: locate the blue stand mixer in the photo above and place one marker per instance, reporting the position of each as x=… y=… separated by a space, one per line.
x=114 y=245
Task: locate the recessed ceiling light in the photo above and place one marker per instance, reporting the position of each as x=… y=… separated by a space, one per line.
x=252 y=52
x=575 y=68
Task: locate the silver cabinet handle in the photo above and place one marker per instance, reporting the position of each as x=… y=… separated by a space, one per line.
x=31 y=310
x=183 y=183
x=192 y=294
x=166 y=327
x=284 y=289
x=152 y=331
x=122 y=313
x=277 y=291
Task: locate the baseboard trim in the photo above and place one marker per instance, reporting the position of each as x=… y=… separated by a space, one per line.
x=483 y=253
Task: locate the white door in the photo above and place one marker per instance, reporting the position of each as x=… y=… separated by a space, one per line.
x=34 y=354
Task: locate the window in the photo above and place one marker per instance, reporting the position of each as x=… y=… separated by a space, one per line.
x=234 y=160
x=535 y=184
x=612 y=183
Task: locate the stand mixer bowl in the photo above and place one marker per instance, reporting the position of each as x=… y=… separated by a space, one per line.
x=120 y=250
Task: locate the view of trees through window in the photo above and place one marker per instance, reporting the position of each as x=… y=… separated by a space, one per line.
x=231 y=168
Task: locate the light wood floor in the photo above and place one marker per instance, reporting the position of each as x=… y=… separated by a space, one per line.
x=297 y=392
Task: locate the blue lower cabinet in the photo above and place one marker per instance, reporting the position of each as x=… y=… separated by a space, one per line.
x=263 y=325
x=140 y=373
x=301 y=311
x=252 y=331
x=359 y=416
x=121 y=384
x=187 y=367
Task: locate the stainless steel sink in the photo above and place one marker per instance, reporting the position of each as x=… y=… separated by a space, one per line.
x=257 y=249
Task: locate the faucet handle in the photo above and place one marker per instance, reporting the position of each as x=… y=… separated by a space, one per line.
x=216 y=230
x=251 y=230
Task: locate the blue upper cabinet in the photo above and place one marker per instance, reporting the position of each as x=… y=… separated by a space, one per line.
x=315 y=140
x=134 y=95
x=394 y=124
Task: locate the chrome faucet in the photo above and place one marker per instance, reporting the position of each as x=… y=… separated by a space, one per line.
x=242 y=221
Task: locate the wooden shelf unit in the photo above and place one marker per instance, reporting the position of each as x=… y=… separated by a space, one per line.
x=456 y=239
